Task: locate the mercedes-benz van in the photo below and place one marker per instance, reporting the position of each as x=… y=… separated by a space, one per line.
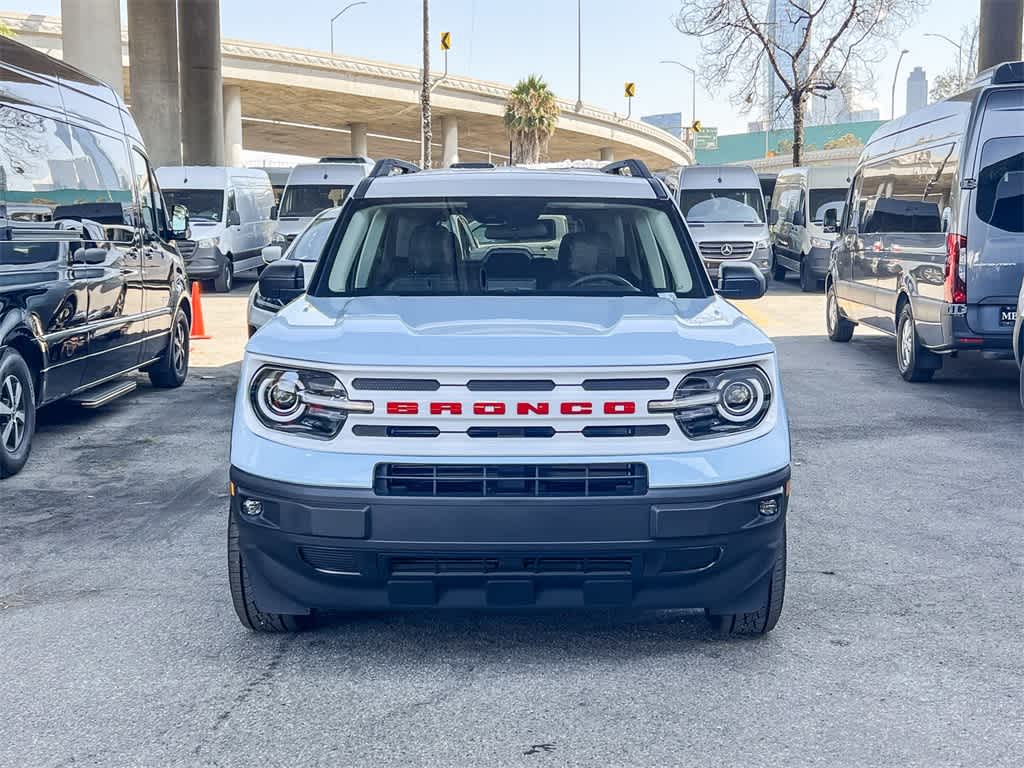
x=932 y=241
x=229 y=209
x=724 y=208
x=314 y=187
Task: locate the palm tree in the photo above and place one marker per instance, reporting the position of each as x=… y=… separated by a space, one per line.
x=531 y=113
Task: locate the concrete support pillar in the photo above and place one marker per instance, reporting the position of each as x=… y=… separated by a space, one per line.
x=999 y=32
x=233 y=126
x=449 y=140
x=91 y=39
x=153 y=76
x=202 y=96
x=358 y=134
x=607 y=154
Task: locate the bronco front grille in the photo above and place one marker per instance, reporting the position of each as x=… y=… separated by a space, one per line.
x=710 y=249
x=510 y=480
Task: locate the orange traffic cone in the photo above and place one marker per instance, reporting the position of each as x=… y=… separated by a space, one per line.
x=198 y=326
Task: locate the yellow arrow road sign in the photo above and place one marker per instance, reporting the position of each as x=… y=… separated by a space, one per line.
x=446 y=41
x=630 y=90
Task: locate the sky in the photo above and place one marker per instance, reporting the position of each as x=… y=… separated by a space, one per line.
x=504 y=40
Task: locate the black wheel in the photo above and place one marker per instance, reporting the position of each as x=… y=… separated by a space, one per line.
x=225 y=281
x=171 y=369
x=778 y=272
x=251 y=616
x=910 y=356
x=807 y=282
x=763 y=620
x=839 y=328
x=17 y=412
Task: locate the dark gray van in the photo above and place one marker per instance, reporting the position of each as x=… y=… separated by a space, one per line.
x=931 y=245
x=92 y=288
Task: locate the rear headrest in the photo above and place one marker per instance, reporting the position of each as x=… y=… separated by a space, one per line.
x=431 y=251
x=586 y=253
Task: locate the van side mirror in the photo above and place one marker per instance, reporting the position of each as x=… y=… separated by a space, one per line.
x=179 y=222
x=270 y=253
x=273 y=212
x=773 y=217
x=234 y=219
x=830 y=221
x=283 y=281
x=741 y=281
x=799 y=220
x=89 y=256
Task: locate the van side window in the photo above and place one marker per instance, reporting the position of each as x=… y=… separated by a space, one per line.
x=851 y=214
x=37 y=166
x=144 y=186
x=1000 y=195
x=874 y=187
x=104 y=176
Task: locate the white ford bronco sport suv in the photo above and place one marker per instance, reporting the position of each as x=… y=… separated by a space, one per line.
x=436 y=426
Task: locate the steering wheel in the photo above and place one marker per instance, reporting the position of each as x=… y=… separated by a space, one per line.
x=607 y=277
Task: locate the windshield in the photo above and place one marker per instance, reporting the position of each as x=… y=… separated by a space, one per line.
x=306 y=200
x=424 y=249
x=822 y=198
x=1000 y=195
x=206 y=204
x=309 y=244
x=745 y=206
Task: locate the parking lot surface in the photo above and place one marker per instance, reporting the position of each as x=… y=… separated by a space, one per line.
x=900 y=642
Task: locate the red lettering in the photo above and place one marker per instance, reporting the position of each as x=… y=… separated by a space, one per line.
x=577 y=409
x=404 y=409
x=455 y=409
x=620 y=408
x=489 y=409
x=525 y=409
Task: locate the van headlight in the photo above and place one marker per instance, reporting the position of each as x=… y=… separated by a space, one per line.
x=208 y=242
x=300 y=401
x=821 y=242
x=718 y=402
x=761 y=245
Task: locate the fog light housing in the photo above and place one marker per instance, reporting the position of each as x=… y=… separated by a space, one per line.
x=768 y=507
x=252 y=507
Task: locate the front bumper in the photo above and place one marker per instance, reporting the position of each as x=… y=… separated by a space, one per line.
x=713 y=266
x=320 y=548
x=204 y=264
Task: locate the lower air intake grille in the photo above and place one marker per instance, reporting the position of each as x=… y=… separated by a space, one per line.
x=475 y=565
x=330 y=560
x=510 y=480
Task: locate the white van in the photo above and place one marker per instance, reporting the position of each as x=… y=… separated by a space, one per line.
x=724 y=208
x=230 y=216
x=316 y=187
x=806 y=207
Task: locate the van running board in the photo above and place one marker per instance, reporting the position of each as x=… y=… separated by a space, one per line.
x=105 y=393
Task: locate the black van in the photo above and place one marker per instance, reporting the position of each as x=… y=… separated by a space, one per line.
x=931 y=246
x=92 y=288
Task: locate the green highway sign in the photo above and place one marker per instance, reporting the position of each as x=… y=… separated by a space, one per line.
x=706 y=139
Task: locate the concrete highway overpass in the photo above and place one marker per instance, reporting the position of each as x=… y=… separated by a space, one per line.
x=305 y=102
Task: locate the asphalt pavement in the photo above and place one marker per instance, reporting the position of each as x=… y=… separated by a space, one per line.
x=900 y=643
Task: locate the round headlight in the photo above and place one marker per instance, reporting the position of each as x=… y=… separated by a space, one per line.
x=738 y=397
x=277 y=396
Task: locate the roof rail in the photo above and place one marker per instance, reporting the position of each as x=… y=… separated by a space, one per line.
x=636 y=169
x=472 y=165
x=387 y=167
x=344 y=159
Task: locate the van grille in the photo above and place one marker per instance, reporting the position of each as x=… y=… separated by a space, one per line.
x=510 y=480
x=186 y=248
x=713 y=249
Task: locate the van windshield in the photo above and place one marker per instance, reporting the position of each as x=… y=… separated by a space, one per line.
x=821 y=198
x=742 y=206
x=607 y=248
x=305 y=200
x=202 y=204
x=1000 y=195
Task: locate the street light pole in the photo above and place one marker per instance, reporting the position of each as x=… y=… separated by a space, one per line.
x=896 y=74
x=334 y=18
x=959 y=55
x=693 y=86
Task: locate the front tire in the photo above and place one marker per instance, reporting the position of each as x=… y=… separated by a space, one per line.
x=763 y=620
x=225 y=281
x=808 y=283
x=241 y=594
x=17 y=412
x=171 y=369
x=839 y=328
x=778 y=272
x=909 y=353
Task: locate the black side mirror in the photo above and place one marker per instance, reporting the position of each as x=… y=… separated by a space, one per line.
x=741 y=281
x=799 y=220
x=273 y=212
x=773 y=217
x=283 y=281
x=179 y=222
x=830 y=221
x=234 y=219
x=89 y=256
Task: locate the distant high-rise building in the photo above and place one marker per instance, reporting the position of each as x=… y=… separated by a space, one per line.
x=786 y=28
x=864 y=115
x=671 y=122
x=917 y=90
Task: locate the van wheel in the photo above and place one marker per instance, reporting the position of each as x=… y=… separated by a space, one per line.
x=808 y=284
x=909 y=353
x=839 y=328
x=251 y=616
x=225 y=281
x=763 y=620
x=171 y=369
x=778 y=272
x=17 y=413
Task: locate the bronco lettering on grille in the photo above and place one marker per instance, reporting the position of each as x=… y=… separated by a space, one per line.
x=498 y=408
